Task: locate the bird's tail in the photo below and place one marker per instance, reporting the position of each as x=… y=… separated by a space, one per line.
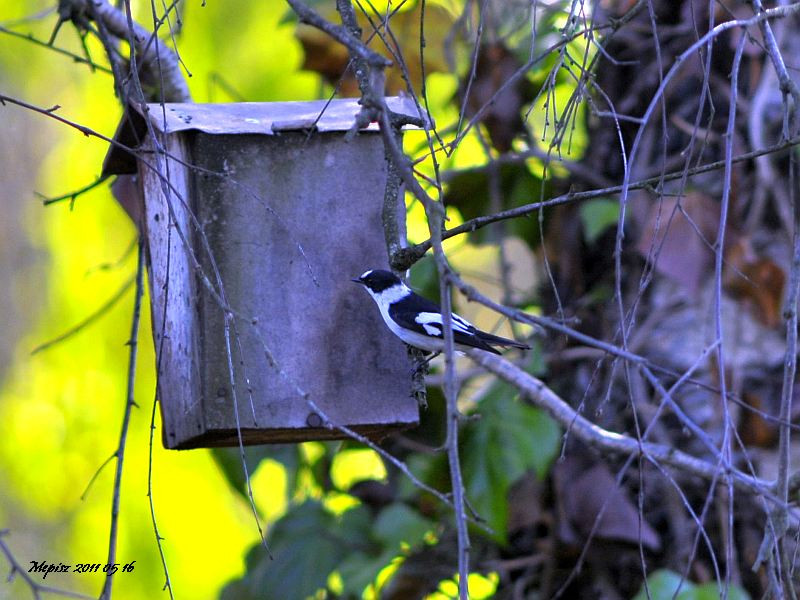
x=501 y=341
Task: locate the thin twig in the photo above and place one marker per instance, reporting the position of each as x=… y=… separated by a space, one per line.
x=339 y=33
x=104 y=308
x=372 y=90
x=445 y=499
x=37 y=589
x=72 y=196
x=779 y=517
x=123 y=435
x=161 y=337
x=536 y=392
x=790 y=368
x=787 y=84
x=75 y=57
x=96 y=474
x=725 y=459
x=408 y=256
x=451 y=399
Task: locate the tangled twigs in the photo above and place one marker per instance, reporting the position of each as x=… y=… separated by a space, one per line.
x=36 y=588
x=609 y=442
x=154 y=57
x=340 y=33
x=371 y=77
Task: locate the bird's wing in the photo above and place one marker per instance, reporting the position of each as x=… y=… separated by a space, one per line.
x=431 y=314
x=423 y=316
x=490 y=338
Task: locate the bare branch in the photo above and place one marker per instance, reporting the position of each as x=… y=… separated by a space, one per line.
x=726 y=445
x=154 y=55
x=787 y=84
x=75 y=57
x=401 y=466
x=72 y=196
x=340 y=34
x=107 y=305
x=36 y=588
x=123 y=435
x=609 y=442
x=408 y=256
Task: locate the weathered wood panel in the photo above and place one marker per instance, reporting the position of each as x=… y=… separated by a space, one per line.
x=173 y=292
x=289 y=220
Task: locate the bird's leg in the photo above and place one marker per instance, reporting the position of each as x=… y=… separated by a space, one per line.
x=427 y=361
x=420 y=365
x=418 y=373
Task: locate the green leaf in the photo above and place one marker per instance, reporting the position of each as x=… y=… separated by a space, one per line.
x=509 y=439
x=230 y=461
x=424 y=277
x=395 y=526
x=710 y=591
x=597 y=216
x=306 y=545
x=309 y=543
x=355 y=525
x=399 y=524
x=468 y=190
x=358 y=570
x=665 y=584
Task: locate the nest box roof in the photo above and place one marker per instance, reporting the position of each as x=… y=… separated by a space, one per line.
x=267 y=118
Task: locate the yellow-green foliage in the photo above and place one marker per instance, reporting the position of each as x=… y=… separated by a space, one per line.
x=61 y=409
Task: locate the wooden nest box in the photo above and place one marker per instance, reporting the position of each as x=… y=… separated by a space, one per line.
x=254 y=222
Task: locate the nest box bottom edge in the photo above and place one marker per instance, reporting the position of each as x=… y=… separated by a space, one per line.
x=223 y=438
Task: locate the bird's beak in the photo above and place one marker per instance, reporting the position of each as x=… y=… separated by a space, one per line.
x=356 y=280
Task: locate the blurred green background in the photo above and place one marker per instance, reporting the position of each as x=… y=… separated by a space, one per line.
x=61 y=408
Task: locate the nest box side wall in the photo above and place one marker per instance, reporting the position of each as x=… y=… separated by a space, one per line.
x=173 y=289
x=292 y=221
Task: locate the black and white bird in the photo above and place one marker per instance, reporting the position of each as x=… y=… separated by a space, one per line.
x=418 y=321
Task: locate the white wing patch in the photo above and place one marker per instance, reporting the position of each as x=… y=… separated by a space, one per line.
x=459 y=323
x=432 y=323
x=432 y=329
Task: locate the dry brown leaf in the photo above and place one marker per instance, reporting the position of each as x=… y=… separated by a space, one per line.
x=757 y=281
x=583 y=495
x=754 y=429
x=680 y=246
x=495 y=65
x=329 y=58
